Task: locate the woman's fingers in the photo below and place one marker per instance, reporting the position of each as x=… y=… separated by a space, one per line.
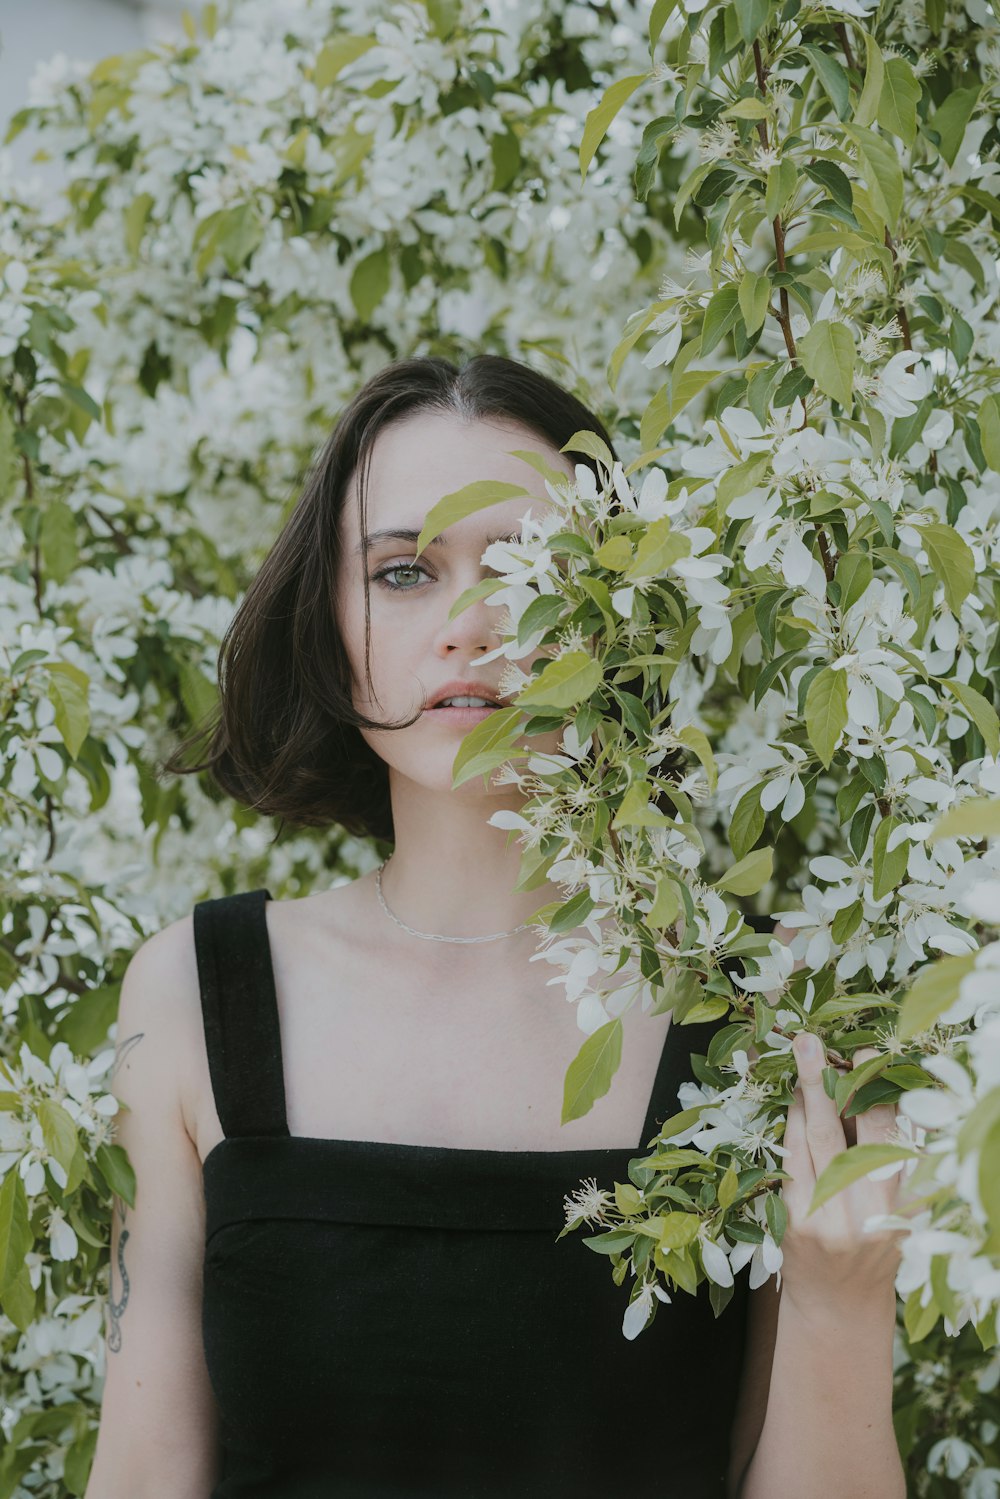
x=878 y=1124
x=824 y=1127
x=798 y=1190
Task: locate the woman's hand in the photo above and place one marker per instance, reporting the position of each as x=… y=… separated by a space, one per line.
x=830 y=1264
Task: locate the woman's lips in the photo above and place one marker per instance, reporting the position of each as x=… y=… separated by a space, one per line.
x=460 y=715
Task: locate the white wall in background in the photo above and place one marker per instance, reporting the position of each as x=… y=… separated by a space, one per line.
x=34 y=31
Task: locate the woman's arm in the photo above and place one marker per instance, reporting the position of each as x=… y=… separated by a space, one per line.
x=828 y=1431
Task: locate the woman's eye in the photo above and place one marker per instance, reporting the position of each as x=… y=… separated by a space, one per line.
x=399 y=567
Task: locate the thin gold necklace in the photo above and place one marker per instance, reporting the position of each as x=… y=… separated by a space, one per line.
x=436 y=936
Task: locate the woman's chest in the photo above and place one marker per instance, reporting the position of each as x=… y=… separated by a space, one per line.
x=457 y=1057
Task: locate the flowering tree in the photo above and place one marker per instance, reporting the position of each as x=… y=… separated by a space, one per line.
x=252 y=222
x=790 y=580
x=803 y=602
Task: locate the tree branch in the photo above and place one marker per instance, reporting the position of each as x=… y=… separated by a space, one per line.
x=784 y=316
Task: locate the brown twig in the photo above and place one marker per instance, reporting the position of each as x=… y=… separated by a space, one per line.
x=784 y=316
x=904 y=324
x=845 y=42
x=904 y=321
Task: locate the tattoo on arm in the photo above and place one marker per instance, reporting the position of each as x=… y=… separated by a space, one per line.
x=123 y=1050
x=116 y=1309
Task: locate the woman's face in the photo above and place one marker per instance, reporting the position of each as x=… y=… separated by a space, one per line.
x=415 y=647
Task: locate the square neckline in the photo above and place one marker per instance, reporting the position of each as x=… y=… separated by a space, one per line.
x=265 y=992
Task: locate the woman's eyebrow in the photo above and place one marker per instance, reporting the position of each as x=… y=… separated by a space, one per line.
x=401 y=534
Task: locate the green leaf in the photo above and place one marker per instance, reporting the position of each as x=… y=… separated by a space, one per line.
x=666 y=905
x=16 y=1237
x=854 y=574
x=658 y=18
x=933 y=991
x=563 y=683
x=57 y=539
x=611 y=1243
x=979 y=709
x=615 y=554
x=705 y=1009
x=637 y=811
x=979 y=1122
x=466 y=501
x=874 y=78
x=827 y=354
x=951 y=119
x=754 y=297
x=600 y=117
x=117 y=1170
x=496 y=732
x=567 y=916
x=826 y=712
x=587 y=441
x=749 y=875
x=541 y=613
x=748 y=822
x=853 y=1164
x=919 y=1320
x=846 y=922
x=729 y=1188
x=740 y=479
x=977 y=817
x=879 y=164
x=747 y=109
x=135 y=217
x=835 y=181
x=989 y=430
x=833 y=78
x=635 y=327
x=690 y=185
x=370 y=282
x=889 y=865
x=627 y=1199
x=589 y=1075
x=752 y=16
x=9 y=461
x=482 y=590
x=776 y=1213
x=58 y=1131
x=684 y=388
x=444 y=16
x=237 y=234
x=960 y=253
x=781 y=180
x=337 y=54
x=906 y=430
x=658 y=549
x=68 y=695
x=720 y=315
x=952 y=561
x=897 y=106
x=679 y=1229
x=697 y=741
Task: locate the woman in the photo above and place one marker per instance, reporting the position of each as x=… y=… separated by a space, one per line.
x=371 y=1297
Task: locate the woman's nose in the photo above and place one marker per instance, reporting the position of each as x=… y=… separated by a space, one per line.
x=475 y=627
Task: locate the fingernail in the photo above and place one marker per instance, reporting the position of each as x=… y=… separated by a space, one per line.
x=807 y=1046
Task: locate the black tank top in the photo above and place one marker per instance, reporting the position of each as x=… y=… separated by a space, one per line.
x=385 y=1320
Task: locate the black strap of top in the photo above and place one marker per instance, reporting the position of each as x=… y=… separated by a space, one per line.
x=240 y=1012
x=681 y=1043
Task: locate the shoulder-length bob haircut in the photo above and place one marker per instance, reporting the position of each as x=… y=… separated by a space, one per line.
x=284 y=737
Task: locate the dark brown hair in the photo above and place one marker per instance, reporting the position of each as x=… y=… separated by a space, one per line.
x=284 y=738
